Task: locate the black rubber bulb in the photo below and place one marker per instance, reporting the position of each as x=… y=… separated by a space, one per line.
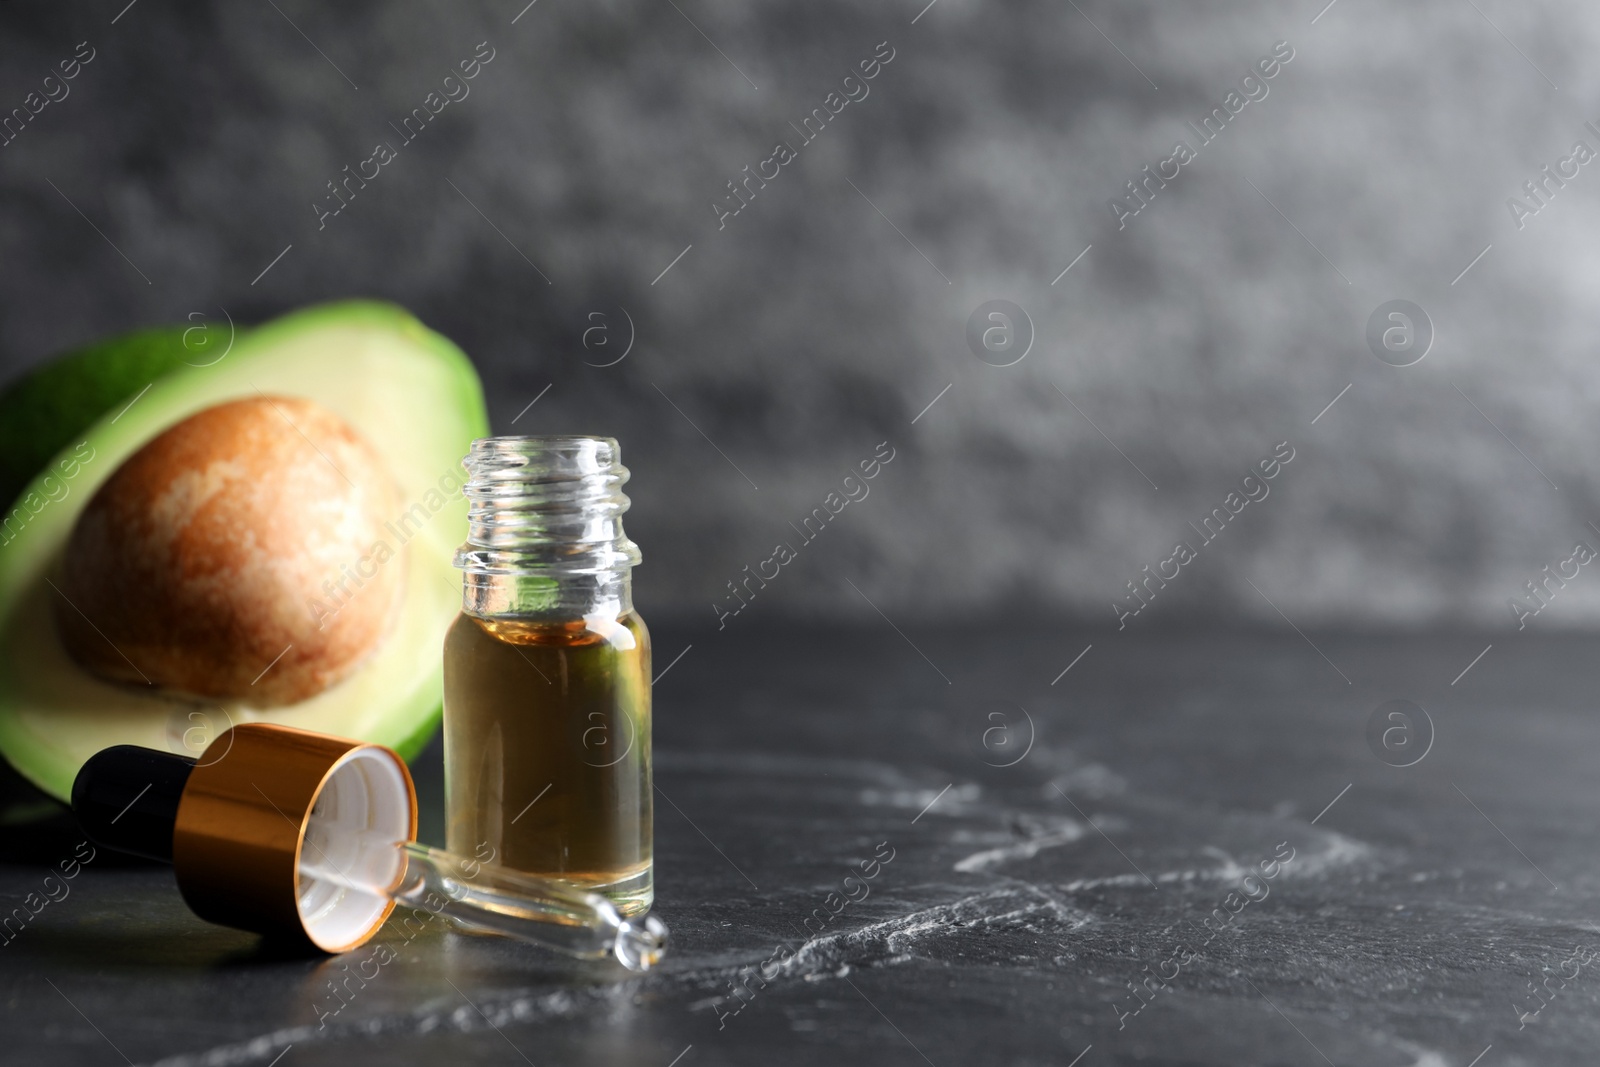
x=126 y=799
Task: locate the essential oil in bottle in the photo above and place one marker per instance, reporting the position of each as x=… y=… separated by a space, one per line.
x=547 y=672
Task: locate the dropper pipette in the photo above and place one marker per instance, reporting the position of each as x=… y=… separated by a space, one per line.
x=308 y=837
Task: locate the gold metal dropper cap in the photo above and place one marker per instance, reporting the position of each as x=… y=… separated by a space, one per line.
x=242 y=824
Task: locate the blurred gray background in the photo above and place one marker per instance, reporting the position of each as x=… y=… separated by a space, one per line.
x=827 y=315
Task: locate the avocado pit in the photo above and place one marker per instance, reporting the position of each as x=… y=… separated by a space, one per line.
x=206 y=563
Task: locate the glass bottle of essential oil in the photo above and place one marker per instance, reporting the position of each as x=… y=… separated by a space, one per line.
x=547 y=672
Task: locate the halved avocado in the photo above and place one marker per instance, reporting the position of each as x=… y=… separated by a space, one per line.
x=409 y=392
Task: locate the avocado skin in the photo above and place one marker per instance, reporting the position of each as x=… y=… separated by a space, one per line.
x=49 y=408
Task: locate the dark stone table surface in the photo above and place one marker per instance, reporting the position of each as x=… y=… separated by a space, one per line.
x=1419 y=909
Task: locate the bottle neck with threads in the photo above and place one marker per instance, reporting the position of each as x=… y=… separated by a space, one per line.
x=545 y=539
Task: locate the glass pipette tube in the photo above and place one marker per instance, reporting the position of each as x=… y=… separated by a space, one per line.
x=476 y=895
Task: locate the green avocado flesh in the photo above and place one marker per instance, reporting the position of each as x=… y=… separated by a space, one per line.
x=67 y=427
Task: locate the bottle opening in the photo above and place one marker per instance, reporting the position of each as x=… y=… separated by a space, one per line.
x=544 y=533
